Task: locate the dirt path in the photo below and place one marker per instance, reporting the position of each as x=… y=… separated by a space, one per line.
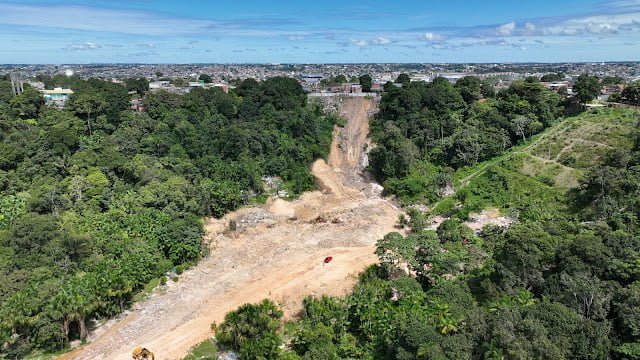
x=277 y=252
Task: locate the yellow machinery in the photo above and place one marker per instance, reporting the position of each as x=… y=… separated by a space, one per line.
x=141 y=353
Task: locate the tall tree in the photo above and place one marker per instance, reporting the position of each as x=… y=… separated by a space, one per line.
x=587 y=88
x=206 y=78
x=403 y=79
x=366 y=81
x=470 y=88
x=88 y=104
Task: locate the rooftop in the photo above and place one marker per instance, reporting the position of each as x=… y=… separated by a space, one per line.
x=57 y=91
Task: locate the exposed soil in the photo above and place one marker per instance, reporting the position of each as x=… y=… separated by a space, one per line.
x=277 y=252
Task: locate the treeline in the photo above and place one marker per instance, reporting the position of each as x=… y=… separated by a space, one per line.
x=98 y=200
x=566 y=287
x=424 y=130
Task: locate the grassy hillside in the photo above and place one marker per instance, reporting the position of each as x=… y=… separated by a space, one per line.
x=533 y=178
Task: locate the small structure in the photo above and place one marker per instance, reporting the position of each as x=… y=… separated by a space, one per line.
x=555 y=86
x=224 y=87
x=197 y=84
x=312 y=78
x=17 y=84
x=377 y=88
x=137 y=105
x=57 y=96
x=355 y=89
x=154 y=85
x=452 y=77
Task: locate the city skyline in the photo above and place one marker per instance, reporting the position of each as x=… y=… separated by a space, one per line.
x=147 y=31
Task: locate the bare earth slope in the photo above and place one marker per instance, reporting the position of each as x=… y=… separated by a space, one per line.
x=277 y=252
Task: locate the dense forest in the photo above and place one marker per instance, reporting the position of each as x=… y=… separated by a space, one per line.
x=562 y=282
x=99 y=201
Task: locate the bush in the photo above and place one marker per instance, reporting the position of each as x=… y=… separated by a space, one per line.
x=180 y=269
x=206 y=350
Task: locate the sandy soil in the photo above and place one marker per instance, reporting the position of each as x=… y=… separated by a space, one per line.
x=276 y=252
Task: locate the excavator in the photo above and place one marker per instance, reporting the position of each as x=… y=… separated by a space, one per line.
x=141 y=353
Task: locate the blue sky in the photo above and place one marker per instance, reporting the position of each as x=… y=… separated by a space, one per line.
x=329 y=31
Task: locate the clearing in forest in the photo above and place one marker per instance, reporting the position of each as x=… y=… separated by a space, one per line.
x=276 y=252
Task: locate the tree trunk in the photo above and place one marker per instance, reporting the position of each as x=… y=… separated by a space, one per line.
x=65 y=328
x=89 y=122
x=83 y=328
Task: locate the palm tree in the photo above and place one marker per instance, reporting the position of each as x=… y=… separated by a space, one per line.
x=58 y=309
x=445 y=321
x=525 y=298
x=447 y=325
x=249 y=322
x=231 y=330
x=16 y=312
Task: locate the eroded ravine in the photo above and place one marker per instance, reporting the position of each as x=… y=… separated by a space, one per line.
x=277 y=252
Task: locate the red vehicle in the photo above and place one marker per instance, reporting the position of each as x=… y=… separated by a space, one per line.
x=327 y=259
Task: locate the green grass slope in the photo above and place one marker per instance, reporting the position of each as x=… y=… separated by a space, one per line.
x=533 y=178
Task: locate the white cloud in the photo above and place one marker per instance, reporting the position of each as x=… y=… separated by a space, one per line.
x=530 y=26
x=595 y=25
x=506 y=29
x=488 y=42
x=432 y=37
x=295 y=37
x=603 y=28
x=381 y=41
x=84 y=46
x=624 y=3
x=359 y=42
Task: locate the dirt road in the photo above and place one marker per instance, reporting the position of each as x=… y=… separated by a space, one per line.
x=276 y=252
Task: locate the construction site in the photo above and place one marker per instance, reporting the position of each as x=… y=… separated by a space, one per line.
x=278 y=251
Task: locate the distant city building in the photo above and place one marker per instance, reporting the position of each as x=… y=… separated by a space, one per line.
x=312 y=78
x=452 y=77
x=154 y=85
x=556 y=85
x=222 y=86
x=376 y=88
x=425 y=78
x=197 y=84
x=355 y=89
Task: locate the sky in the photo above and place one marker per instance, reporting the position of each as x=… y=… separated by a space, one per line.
x=329 y=31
